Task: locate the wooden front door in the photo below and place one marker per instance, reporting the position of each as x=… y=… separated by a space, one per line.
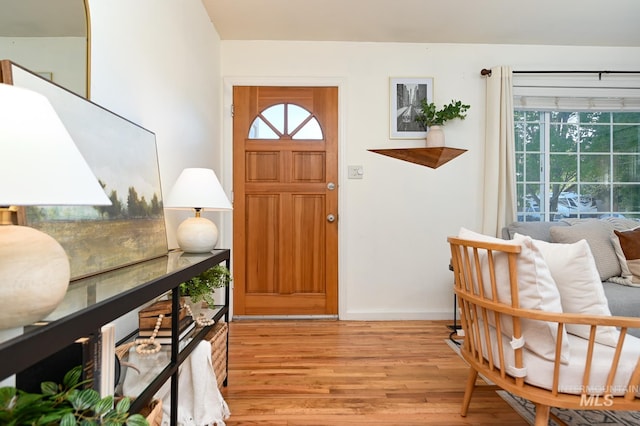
x=285 y=190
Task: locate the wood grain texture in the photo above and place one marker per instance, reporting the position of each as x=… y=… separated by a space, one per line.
x=317 y=372
x=285 y=250
x=430 y=157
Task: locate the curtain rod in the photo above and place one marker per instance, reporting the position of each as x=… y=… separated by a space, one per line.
x=487 y=72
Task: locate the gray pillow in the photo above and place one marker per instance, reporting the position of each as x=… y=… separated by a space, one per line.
x=598 y=235
x=536 y=230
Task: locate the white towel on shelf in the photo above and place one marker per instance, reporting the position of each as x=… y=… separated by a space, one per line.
x=200 y=402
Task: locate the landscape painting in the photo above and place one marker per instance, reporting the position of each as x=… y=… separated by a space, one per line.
x=123 y=157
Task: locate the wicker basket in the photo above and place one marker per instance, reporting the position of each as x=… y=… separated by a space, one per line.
x=154 y=417
x=218 y=338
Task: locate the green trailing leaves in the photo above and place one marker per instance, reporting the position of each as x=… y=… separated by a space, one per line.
x=430 y=116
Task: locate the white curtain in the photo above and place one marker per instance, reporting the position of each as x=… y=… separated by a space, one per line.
x=499 y=191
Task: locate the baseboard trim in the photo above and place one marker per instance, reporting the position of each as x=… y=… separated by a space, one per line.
x=396 y=316
x=284 y=317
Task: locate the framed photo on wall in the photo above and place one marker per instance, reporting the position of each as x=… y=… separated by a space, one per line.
x=405 y=95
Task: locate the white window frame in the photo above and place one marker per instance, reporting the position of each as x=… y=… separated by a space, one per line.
x=572 y=92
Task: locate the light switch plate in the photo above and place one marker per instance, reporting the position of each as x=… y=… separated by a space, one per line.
x=355 y=172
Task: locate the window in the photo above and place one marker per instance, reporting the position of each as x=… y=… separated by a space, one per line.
x=579 y=164
x=577 y=138
x=285 y=120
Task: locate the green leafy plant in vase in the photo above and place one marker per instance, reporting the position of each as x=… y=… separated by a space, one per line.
x=432 y=119
x=201 y=287
x=65 y=404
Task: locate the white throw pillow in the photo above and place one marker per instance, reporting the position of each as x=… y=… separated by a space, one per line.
x=574 y=270
x=536 y=290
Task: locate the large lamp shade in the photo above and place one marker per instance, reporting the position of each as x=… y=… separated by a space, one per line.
x=39 y=165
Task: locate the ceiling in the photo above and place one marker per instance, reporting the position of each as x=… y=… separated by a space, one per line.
x=548 y=22
x=551 y=22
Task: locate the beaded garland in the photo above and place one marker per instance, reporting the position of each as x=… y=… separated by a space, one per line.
x=202 y=321
x=150 y=346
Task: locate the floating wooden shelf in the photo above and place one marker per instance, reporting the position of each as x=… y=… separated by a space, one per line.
x=430 y=157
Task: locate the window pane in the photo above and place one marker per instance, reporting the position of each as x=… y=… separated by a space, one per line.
x=311 y=130
x=535 y=142
x=533 y=115
x=520 y=197
x=601 y=195
x=519 y=167
x=626 y=198
x=563 y=167
x=533 y=167
x=626 y=117
x=626 y=138
x=626 y=168
x=260 y=130
x=295 y=116
x=564 y=138
x=595 y=168
x=594 y=138
x=594 y=117
x=275 y=116
x=528 y=204
x=533 y=137
x=572 y=204
x=535 y=199
x=520 y=135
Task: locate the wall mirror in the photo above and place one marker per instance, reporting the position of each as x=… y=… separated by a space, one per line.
x=49 y=37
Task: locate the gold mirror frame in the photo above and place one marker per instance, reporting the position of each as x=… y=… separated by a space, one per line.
x=32 y=32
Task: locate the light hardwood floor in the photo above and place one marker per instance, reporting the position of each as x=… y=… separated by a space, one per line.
x=320 y=373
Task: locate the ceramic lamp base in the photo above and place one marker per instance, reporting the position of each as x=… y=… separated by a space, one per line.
x=197 y=235
x=34 y=275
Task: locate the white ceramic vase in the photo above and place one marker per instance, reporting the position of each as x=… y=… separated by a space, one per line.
x=196 y=307
x=435 y=137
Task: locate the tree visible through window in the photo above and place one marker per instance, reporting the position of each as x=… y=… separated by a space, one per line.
x=577 y=164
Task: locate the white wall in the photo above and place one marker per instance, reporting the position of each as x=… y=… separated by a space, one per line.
x=157 y=64
x=394 y=223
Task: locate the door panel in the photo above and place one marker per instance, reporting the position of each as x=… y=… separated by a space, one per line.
x=285 y=154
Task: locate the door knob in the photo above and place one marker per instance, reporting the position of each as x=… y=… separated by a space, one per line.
x=331 y=186
x=331 y=218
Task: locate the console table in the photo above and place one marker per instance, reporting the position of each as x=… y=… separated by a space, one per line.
x=95 y=301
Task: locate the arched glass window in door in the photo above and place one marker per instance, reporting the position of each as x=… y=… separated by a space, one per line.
x=285 y=121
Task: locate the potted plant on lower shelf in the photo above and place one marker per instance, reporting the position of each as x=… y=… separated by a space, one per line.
x=65 y=404
x=201 y=287
x=432 y=119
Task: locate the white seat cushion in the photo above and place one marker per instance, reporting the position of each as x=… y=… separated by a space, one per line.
x=540 y=370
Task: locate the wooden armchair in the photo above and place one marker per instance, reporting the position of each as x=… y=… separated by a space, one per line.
x=594 y=377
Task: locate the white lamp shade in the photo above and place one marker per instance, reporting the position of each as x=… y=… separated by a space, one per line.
x=40 y=164
x=197 y=188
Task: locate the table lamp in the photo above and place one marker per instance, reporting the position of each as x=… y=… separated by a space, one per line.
x=197 y=189
x=39 y=165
